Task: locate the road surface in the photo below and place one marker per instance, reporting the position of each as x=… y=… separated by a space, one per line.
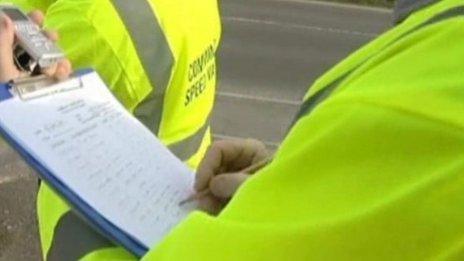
x=271 y=53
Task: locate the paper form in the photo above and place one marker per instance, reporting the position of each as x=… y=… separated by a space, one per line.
x=89 y=141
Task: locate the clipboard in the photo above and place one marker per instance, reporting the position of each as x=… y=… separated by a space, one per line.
x=34 y=88
x=38 y=87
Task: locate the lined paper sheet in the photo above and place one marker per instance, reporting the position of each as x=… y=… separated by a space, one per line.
x=89 y=141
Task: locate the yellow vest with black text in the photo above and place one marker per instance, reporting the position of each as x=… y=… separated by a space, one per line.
x=158 y=58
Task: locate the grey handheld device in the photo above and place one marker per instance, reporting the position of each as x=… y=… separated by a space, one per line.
x=31 y=38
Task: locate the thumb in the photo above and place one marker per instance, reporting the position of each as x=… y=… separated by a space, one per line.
x=6 y=30
x=7 y=67
x=6 y=36
x=225 y=185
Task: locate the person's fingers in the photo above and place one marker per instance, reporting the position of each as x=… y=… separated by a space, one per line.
x=38 y=17
x=7 y=32
x=50 y=71
x=225 y=185
x=253 y=151
x=211 y=205
x=63 y=69
x=228 y=156
x=8 y=70
x=212 y=163
x=217 y=160
x=52 y=35
x=259 y=149
x=60 y=70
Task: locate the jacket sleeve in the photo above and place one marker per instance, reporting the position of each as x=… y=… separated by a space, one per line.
x=373 y=173
x=371 y=183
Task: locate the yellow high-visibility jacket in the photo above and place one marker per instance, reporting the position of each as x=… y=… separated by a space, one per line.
x=373 y=168
x=158 y=58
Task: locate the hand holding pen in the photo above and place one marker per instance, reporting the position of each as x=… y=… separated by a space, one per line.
x=227 y=164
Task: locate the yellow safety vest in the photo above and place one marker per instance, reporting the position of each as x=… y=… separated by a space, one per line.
x=373 y=168
x=158 y=58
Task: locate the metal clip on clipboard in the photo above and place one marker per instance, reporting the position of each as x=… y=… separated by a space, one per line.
x=29 y=88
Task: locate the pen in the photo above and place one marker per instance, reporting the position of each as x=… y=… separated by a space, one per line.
x=249 y=170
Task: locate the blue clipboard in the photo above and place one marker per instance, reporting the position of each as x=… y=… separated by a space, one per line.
x=82 y=208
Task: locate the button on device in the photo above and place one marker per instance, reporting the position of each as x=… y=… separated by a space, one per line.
x=29 y=28
x=37 y=38
x=38 y=44
x=20 y=27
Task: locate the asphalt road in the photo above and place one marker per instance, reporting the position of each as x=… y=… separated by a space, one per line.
x=272 y=50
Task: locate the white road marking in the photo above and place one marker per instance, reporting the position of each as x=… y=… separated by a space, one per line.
x=258 y=98
x=298 y=26
x=9 y=179
x=338 y=5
